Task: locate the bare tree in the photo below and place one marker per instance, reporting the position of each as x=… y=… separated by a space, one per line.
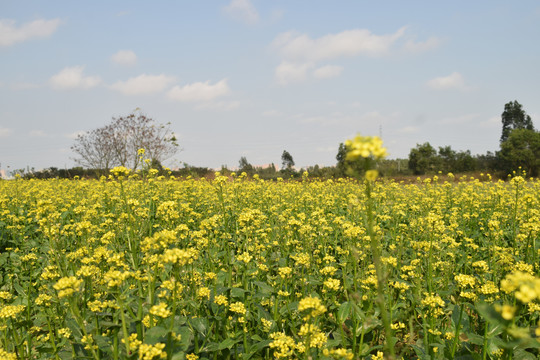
x=95 y=149
x=117 y=144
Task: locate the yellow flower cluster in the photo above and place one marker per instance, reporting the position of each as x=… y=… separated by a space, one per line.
x=332 y=284
x=526 y=287
x=221 y=300
x=11 y=311
x=160 y=310
x=99 y=306
x=7 y=355
x=151 y=352
x=282 y=344
x=365 y=146
x=66 y=286
x=313 y=304
x=317 y=339
x=238 y=308
x=434 y=304
x=465 y=281
x=180 y=256
x=339 y=353
x=120 y=171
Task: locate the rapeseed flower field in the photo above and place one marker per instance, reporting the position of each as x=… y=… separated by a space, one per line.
x=137 y=266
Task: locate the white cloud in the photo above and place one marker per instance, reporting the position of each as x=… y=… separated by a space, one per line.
x=454 y=80
x=409 y=130
x=5 y=132
x=242 y=10
x=492 y=122
x=327 y=72
x=199 y=91
x=37 y=133
x=301 y=47
x=289 y=72
x=420 y=46
x=72 y=78
x=143 y=84
x=11 y=34
x=75 y=134
x=219 y=106
x=124 y=57
x=300 y=53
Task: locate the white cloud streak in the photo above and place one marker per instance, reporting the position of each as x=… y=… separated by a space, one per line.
x=290 y=72
x=199 y=91
x=124 y=57
x=421 y=46
x=452 y=81
x=327 y=72
x=38 y=134
x=73 y=78
x=301 y=47
x=219 y=106
x=5 y=132
x=143 y=84
x=11 y=34
x=242 y=10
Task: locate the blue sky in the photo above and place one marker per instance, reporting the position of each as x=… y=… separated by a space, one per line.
x=253 y=78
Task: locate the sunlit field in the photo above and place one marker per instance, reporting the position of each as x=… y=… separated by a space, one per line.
x=145 y=267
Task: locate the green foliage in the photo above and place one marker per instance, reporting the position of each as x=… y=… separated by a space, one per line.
x=521 y=149
x=287 y=161
x=514 y=117
x=423 y=158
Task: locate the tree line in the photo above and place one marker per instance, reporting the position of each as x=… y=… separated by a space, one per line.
x=118 y=144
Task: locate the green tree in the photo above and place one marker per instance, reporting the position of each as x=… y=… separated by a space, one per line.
x=346 y=167
x=244 y=165
x=423 y=158
x=514 y=117
x=287 y=161
x=522 y=148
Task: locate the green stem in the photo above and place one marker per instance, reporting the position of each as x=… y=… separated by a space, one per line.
x=456 y=334
x=376 y=253
x=484 y=347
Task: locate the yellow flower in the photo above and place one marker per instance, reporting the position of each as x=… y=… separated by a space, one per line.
x=313 y=304
x=203 y=292
x=365 y=146
x=11 y=311
x=507 y=311
x=66 y=286
x=282 y=344
x=238 y=308
x=371 y=175
x=160 y=310
x=221 y=300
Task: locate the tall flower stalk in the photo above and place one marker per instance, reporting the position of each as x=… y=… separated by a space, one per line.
x=369 y=149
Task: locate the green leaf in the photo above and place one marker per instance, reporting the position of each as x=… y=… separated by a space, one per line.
x=521 y=354
x=475 y=339
x=155 y=334
x=265 y=288
x=200 y=325
x=238 y=292
x=344 y=311
x=227 y=344
x=179 y=356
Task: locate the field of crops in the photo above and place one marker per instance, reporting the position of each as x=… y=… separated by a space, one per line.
x=160 y=268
